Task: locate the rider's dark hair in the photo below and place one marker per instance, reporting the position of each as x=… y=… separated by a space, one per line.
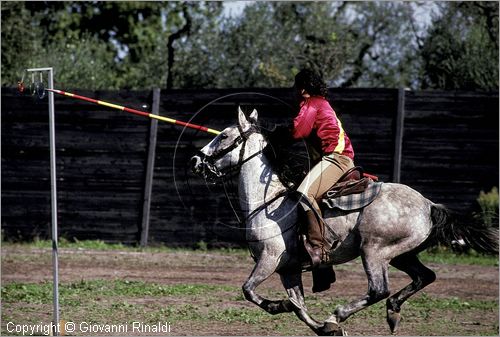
x=311 y=82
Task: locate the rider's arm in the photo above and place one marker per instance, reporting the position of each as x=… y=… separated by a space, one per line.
x=304 y=122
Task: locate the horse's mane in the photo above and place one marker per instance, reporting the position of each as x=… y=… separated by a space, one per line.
x=288 y=158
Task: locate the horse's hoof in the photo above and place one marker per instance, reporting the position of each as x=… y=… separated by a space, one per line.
x=332 y=329
x=393 y=319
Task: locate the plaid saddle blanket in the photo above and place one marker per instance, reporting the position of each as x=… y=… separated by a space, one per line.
x=354 y=201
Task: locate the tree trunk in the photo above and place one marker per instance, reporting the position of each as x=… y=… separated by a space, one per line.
x=171 y=39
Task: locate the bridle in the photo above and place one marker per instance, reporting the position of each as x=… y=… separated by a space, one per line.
x=208 y=161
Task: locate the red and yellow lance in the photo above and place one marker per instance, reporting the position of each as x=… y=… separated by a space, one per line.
x=137 y=112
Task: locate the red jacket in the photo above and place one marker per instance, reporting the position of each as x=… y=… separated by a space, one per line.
x=317 y=119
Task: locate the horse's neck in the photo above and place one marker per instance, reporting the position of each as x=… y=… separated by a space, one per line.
x=258 y=183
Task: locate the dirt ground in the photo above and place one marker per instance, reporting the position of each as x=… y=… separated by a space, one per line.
x=30 y=265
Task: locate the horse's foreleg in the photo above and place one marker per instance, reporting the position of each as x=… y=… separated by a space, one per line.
x=421 y=276
x=264 y=268
x=295 y=290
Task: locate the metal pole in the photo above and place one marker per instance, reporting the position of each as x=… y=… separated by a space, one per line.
x=398 y=139
x=39 y=69
x=53 y=199
x=150 y=167
x=53 y=184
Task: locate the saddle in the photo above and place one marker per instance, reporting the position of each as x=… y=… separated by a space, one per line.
x=351 y=182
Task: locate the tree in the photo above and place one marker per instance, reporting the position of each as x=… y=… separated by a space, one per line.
x=266 y=46
x=140 y=45
x=350 y=44
x=123 y=44
x=19 y=40
x=52 y=34
x=461 y=50
x=197 y=20
x=385 y=42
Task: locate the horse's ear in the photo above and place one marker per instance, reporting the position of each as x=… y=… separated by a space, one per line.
x=253 y=116
x=245 y=124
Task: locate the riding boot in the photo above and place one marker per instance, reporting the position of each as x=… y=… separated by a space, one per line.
x=314 y=246
x=324 y=276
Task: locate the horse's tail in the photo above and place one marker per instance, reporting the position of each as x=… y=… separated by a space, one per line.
x=450 y=228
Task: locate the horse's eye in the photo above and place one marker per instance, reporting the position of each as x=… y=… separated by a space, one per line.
x=223 y=136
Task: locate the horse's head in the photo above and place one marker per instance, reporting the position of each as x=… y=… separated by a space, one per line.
x=226 y=152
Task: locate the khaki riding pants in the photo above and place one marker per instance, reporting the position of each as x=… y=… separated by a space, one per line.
x=322 y=177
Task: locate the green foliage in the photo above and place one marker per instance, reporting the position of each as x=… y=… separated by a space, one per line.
x=242 y=315
x=79 y=60
x=455 y=304
x=489 y=207
x=83 y=63
x=444 y=255
x=71 y=293
x=19 y=41
x=461 y=50
x=84 y=244
x=125 y=45
x=435 y=255
x=383 y=45
x=27 y=292
x=86 y=47
x=270 y=42
x=100 y=245
x=202 y=245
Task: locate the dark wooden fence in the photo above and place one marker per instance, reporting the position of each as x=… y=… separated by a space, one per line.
x=444 y=144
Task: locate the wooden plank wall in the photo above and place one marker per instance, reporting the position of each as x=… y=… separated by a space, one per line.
x=449 y=153
x=100 y=167
x=450 y=145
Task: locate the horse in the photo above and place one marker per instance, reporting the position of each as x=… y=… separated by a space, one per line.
x=391 y=230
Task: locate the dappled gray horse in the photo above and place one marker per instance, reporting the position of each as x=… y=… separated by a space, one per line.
x=391 y=230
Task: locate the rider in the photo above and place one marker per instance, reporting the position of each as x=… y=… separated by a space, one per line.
x=318 y=124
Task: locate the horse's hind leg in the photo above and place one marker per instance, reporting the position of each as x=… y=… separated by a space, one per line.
x=264 y=268
x=421 y=276
x=378 y=289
